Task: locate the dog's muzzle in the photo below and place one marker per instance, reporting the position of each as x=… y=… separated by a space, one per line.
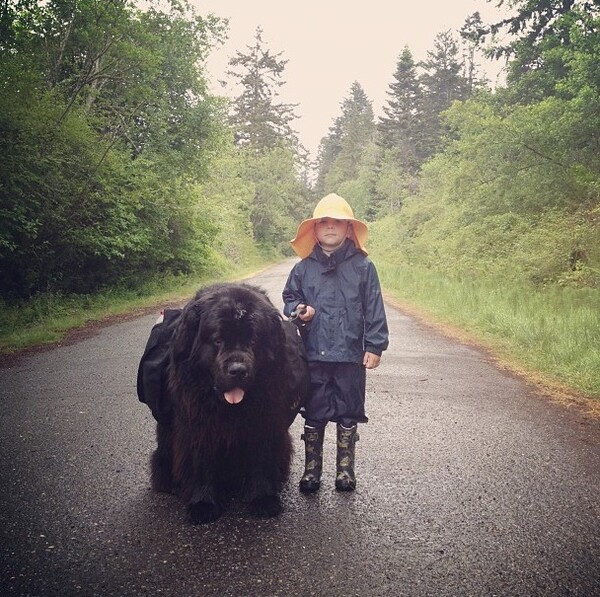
x=236 y=378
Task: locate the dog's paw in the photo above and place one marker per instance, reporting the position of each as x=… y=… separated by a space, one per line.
x=266 y=505
x=203 y=512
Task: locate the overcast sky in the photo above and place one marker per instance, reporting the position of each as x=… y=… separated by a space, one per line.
x=329 y=44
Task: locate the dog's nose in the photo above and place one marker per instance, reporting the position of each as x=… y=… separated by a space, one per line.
x=238 y=370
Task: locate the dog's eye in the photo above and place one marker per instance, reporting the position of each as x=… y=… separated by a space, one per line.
x=218 y=342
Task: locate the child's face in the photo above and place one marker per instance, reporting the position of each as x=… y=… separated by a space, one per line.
x=331 y=233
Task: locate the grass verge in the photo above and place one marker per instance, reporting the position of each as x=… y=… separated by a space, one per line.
x=47 y=318
x=552 y=334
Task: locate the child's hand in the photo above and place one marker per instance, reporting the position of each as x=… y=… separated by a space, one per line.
x=371 y=361
x=306 y=312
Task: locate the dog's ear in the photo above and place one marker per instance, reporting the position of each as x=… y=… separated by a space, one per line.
x=276 y=333
x=266 y=322
x=187 y=330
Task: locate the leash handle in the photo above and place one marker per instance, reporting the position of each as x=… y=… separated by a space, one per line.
x=295 y=314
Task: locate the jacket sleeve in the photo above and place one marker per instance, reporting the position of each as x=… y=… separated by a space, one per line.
x=292 y=292
x=376 y=327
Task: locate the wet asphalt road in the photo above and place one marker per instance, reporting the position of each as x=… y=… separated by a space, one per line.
x=468 y=484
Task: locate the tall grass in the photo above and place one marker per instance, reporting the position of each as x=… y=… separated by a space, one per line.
x=47 y=318
x=554 y=331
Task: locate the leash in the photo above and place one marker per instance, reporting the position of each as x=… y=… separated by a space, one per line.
x=295 y=319
x=295 y=314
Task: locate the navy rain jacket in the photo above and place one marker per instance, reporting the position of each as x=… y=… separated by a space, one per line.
x=344 y=290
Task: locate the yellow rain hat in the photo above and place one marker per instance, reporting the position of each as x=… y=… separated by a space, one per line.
x=331 y=206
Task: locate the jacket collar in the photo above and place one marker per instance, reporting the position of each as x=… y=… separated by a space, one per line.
x=347 y=250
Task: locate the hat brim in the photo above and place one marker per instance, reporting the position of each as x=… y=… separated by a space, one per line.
x=305 y=238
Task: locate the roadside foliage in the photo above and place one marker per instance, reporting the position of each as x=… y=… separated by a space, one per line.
x=109 y=138
x=118 y=166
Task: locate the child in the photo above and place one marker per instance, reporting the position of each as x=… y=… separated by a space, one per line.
x=336 y=293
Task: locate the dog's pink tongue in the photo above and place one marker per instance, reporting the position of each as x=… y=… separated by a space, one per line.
x=234 y=396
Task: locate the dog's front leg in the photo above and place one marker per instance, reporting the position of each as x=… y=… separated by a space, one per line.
x=264 y=484
x=162 y=460
x=204 y=504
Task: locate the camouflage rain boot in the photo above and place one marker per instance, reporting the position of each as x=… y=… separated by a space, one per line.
x=346 y=439
x=313 y=447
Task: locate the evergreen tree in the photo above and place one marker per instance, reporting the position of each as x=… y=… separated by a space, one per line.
x=329 y=148
x=536 y=19
x=362 y=191
x=540 y=50
x=470 y=34
x=275 y=161
x=259 y=122
x=443 y=83
x=351 y=133
x=401 y=125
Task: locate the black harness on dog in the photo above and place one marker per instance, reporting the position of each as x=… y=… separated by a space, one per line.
x=152 y=370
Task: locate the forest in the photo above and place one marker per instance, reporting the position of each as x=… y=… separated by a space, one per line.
x=119 y=167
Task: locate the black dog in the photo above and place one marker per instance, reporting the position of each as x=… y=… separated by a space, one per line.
x=235 y=379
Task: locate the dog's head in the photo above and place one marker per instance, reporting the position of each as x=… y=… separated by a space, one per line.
x=229 y=336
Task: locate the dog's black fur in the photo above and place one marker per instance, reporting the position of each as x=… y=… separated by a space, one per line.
x=233 y=390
